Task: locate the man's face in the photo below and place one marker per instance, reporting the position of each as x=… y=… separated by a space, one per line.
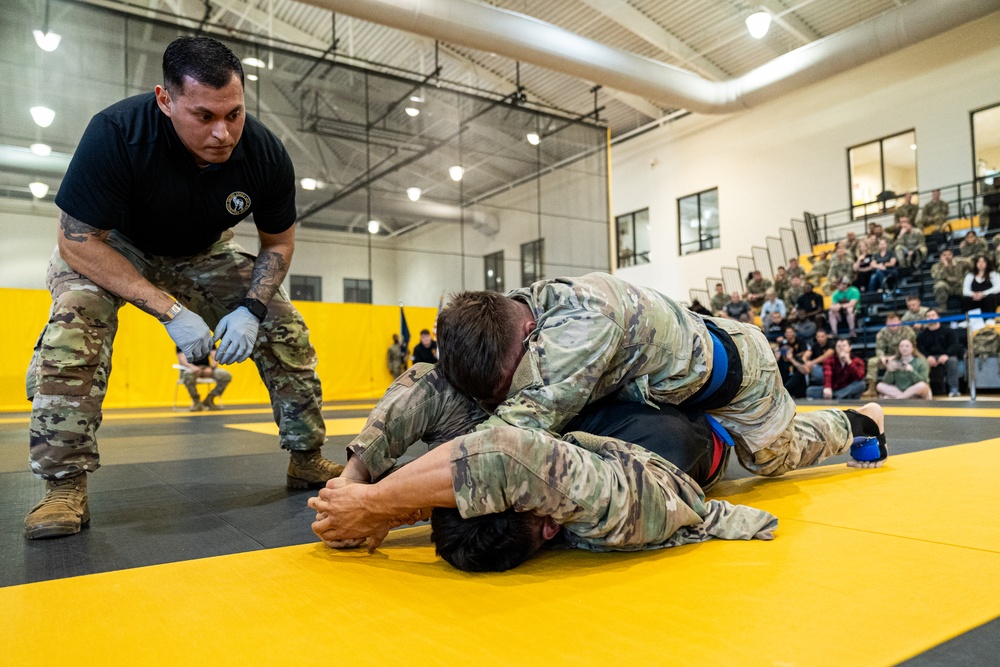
x=808 y=288
x=907 y=197
x=933 y=315
x=904 y=223
x=892 y=322
x=821 y=336
x=936 y=195
x=793 y=263
x=843 y=348
x=913 y=305
x=425 y=340
x=208 y=121
x=946 y=256
x=776 y=317
x=734 y=297
x=789 y=335
x=718 y=289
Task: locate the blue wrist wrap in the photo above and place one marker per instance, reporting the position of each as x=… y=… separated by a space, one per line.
x=865 y=449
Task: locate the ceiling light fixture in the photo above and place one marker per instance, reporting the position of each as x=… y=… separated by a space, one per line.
x=416 y=98
x=43 y=116
x=533 y=138
x=758 y=24
x=253 y=62
x=47 y=41
x=373 y=226
x=252 y=77
x=41 y=150
x=913 y=147
x=413 y=193
x=412 y=112
x=308 y=183
x=38 y=189
x=456 y=173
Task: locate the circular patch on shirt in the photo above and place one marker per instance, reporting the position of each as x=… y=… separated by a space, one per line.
x=238 y=203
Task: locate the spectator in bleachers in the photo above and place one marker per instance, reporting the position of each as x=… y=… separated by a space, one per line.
x=863 y=269
x=789 y=356
x=949 y=277
x=719 y=299
x=737 y=308
x=781 y=283
x=794 y=270
x=841 y=266
x=886 y=344
x=820 y=267
x=935 y=213
x=805 y=327
x=756 y=288
x=973 y=246
x=940 y=345
x=844 y=302
x=884 y=262
x=774 y=326
x=910 y=247
x=696 y=307
x=794 y=291
x=914 y=311
x=875 y=229
x=906 y=374
x=815 y=357
x=843 y=374
x=772 y=303
x=810 y=304
x=905 y=210
x=851 y=244
x=981 y=288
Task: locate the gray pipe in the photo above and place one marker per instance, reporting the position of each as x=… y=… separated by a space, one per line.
x=524 y=38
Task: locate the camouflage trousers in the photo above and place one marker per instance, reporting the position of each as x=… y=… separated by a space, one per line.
x=68 y=374
x=944 y=289
x=770 y=437
x=221 y=376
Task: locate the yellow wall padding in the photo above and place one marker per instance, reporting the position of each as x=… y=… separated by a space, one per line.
x=350 y=339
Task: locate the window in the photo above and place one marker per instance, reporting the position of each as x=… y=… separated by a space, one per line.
x=531 y=261
x=881 y=172
x=493 y=272
x=633 y=238
x=986 y=142
x=307 y=288
x=357 y=290
x=698 y=221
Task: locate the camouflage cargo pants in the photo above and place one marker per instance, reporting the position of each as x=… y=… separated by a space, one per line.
x=221 y=376
x=770 y=437
x=68 y=374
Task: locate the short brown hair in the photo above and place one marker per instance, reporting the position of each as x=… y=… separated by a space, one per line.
x=476 y=332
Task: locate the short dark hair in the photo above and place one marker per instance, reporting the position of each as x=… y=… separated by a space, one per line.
x=488 y=543
x=475 y=335
x=204 y=59
x=425 y=331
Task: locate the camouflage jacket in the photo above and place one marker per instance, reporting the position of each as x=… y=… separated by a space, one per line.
x=820 y=267
x=908 y=316
x=977 y=247
x=906 y=210
x=598 y=335
x=758 y=286
x=781 y=287
x=719 y=302
x=935 y=213
x=911 y=240
x=887 y=340
x=797 y=271
x=840 y=268
x=792 y=295
x=953 y=275
x=606 y=494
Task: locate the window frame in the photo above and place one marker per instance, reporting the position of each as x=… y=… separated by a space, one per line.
x=310 y=282
x=494 y=261
x=881 y=162
x=701 y=241
x=978 y=180
x=538 y=249
x=633 y=259
x=359 y=282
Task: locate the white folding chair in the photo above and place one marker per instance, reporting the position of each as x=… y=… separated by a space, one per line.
x=180 y=382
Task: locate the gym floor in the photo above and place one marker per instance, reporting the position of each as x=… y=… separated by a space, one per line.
x=197 y=554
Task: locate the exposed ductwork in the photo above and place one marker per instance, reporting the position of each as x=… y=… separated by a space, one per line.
x=23 y=161
x=524 y=38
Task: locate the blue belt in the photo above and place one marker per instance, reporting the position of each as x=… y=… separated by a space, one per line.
x=720 y=366
x=718 y=430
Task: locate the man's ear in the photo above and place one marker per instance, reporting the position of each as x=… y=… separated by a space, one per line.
x=163 y=100
x=550 y=528
x=527 y=328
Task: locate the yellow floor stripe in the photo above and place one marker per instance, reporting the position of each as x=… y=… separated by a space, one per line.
x=869 y=568
x=344 y=426
x=917 y=411
x=124 y=416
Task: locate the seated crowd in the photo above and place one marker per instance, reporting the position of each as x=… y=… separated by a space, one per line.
x=813 y=350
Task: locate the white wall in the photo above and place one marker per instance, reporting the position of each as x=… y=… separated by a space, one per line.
x=790 y=155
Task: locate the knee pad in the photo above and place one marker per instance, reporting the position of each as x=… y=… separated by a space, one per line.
x=868 y=443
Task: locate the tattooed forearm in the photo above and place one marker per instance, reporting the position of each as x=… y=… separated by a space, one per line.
x=77 y=231
x=146 y=308
x=268 y=272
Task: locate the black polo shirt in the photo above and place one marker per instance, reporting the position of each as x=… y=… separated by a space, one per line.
x=131 y=173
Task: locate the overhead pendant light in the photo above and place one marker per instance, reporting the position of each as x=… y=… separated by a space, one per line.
x=533 y=138
x=913 y=147
x=373 y=226
x=41 y=150
x=456 y=172
x=416 y=98
x=413 y=193
x=252 y=77
x=253 y=62
x=43 y=116
x=758 y=24
x=412 y=112
x=46 y=39
x=38 y=189
x=308 y=183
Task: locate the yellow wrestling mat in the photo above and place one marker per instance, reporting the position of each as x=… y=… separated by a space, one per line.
x=342 y=426
x=868 y=568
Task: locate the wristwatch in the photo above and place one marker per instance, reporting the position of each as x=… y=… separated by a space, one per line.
x=256 y=307
x=172 y=312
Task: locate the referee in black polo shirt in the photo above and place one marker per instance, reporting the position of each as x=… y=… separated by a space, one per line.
x=147 y=205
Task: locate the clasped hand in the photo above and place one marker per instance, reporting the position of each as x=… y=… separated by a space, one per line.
x=344 y=517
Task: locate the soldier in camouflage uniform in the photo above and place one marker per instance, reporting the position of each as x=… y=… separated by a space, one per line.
x=972 y=246
x=841 y=266
x=851 y=245
x=935 y=213
x=886 y=344
x=905 y=210
x=795 y=270
x=948 y=277
x=794 y=291
x=756 y=287
x=910 y=247
x=147 y=206
x=820 y=267
x=781 y=284
x=719 y=299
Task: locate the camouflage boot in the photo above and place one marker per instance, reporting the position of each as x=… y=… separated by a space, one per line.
x=870 y=390
x=209 y=402
x=196 y=406
x=308 y=469
x=62 y=511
